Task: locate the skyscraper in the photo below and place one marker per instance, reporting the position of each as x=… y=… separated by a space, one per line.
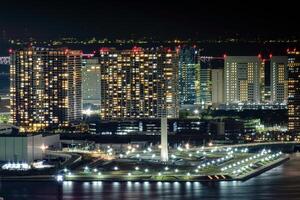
x=294 y=91
x=189 y=76
x=74 y=64
x=45 y=88
x=217 y=86
x=279 y=79
x=91 y=81
x=138 y=83
x=205 y=92
x=244 y=79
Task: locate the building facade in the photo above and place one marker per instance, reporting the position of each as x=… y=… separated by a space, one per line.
x=138 y=83
x=294 y=91
x=74 y=92
x=45 y=88
x=205 y=89
x=243 y=79
x=279 y=79
x=26 y=147
x=217 y=87
x=189 y=76
x=91 y=81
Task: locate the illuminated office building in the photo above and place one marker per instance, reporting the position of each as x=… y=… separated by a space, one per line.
x=244 y=79
x=279 y=79
x=189 y=76
x=91 y=81
x=138 y=83
x=45 y=88
x=294 y=91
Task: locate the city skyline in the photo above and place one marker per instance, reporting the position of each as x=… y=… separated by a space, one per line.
x=141 y=82
x=160 y=99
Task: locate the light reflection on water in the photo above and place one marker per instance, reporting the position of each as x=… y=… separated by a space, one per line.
x=146 y=190
x=282 y=182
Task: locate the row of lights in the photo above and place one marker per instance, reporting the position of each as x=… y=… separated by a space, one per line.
x=16 y=166
x=60 y=177
x=236 y=164
x=220 y=160
x=244 y=168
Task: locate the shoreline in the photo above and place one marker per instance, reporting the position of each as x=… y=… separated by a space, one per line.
x=151 y=178
x=263 y=169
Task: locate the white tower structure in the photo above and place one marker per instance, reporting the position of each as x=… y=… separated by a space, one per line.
x=164 y=140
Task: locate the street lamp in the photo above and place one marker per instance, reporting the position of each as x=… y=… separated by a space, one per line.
x=43 y=147
x=59 y=178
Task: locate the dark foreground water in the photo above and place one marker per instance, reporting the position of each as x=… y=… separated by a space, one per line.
x=281 y=183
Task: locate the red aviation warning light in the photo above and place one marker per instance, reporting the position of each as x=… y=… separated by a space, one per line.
x=136 y=49
x=104 y=49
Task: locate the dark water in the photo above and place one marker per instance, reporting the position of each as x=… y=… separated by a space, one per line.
x=281 y=183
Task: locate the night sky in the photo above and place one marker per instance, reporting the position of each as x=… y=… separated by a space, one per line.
x=159 y=19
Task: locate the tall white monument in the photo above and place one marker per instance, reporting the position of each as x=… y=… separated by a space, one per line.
x=164 y=140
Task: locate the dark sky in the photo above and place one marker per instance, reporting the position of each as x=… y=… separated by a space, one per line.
x=158 y=18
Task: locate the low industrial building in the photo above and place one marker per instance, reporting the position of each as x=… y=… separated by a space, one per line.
x=25 y=147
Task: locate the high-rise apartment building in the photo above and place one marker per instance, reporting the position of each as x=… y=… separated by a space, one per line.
x=243 y=79
x=138 y=83
x=91 y=81
x=45 y=88
x=279 y=79
x=74 y=63
x=294 y=91
x=205 y=90
x=217 y=79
